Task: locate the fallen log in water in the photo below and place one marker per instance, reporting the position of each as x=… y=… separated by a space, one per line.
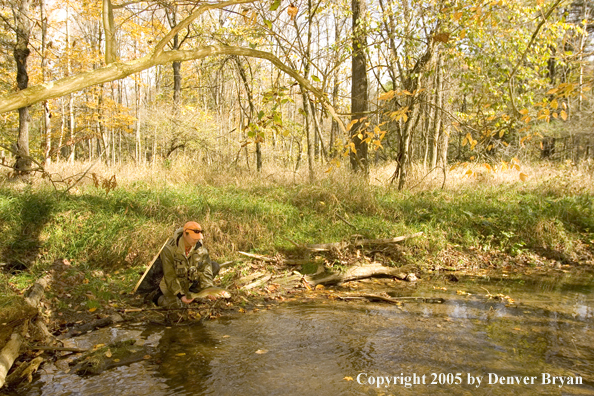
x=393 y=300
x=103 y=322
x=24 y=372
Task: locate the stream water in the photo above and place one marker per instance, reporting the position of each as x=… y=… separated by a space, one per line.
x=469 y=345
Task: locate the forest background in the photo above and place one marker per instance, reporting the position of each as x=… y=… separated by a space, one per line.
x=278 y=123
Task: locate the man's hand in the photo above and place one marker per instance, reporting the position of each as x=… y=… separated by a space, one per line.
x=186 y=300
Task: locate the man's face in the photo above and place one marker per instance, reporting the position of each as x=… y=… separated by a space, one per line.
x=192 y=238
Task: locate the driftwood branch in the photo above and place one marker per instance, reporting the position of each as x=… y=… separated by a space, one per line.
x=359 y=272
x=55 y=348
x=157 y=309
x=103 y=322
x=25 y=371
x=37 y=291
x=9 y=354
x=258 y=257
x=11 y=350
x=257 y=283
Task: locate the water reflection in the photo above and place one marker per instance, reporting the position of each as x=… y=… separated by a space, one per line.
x=322 y=348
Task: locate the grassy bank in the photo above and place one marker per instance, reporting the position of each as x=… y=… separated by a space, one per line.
x=112 y=235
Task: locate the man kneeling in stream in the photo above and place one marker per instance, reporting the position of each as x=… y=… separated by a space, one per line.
x=187 y=270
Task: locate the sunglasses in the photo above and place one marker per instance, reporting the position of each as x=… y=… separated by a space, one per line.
x=197 y=231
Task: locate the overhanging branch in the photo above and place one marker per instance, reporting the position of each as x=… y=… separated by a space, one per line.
x=119 y=70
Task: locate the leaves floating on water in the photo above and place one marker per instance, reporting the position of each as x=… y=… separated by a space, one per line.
x=261 y=351
x=180 y=354
x=348 y=378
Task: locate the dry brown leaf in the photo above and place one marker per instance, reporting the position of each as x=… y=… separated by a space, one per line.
x=292 y=11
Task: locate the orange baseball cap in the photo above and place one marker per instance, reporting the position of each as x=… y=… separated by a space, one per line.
x=194 y=229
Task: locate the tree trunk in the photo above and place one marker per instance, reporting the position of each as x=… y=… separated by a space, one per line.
x=71 y=125
x=21 y=53
x=71 y=121
x=403 y=160
x=359 y=98
x=309 y=135
x=46 y=125
x=318 y=131
x=175 y=45
x=109 y=28
x=437 y=123
x=176 y=83
x=581 y=56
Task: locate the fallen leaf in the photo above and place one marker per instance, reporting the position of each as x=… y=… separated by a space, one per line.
x=348 y=378
x=92 y=309
x=261 y=351
x=98 y=346
x=146 y=357
x=116 y=360
x=108 y=353
x=181 y=354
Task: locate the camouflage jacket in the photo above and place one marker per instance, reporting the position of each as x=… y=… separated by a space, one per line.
x=179 y=271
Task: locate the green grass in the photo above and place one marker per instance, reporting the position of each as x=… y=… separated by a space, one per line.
x=122 y=230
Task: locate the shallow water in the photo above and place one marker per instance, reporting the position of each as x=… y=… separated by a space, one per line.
x=333 y=347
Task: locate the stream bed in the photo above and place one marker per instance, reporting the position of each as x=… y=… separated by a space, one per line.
x=493 y=335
